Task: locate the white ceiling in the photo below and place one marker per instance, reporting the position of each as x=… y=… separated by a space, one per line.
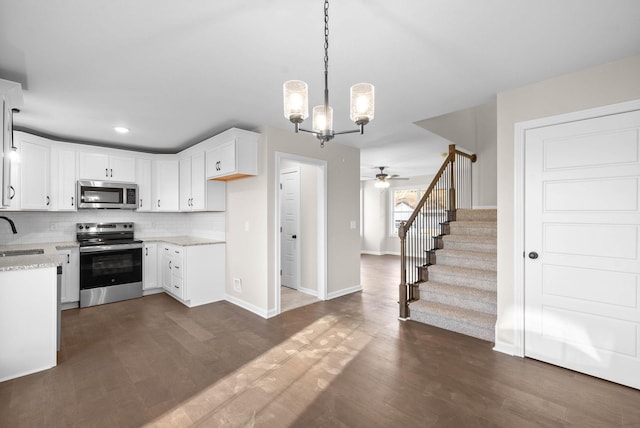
x=177 y=72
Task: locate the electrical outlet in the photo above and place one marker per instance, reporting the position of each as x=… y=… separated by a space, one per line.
x=237 y=285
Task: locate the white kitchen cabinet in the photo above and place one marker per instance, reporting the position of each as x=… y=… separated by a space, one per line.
x=69 y=259
x=10 y=98
x=165 y=173
x=63 y=179
x=172 y=270
x=33 y=187
x=143 y=180
x=150 y=272
x=195 y=274
x=196 y=192
x=236 y=156
x=107 y=167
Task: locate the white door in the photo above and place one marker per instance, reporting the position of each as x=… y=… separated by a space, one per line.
x=289 y=218
x=582 y=220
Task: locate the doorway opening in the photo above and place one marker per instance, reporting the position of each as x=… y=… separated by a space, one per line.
x=300 y=226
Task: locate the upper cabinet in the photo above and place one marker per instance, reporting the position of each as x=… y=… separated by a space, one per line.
x=196 y=192
x=143 y=180
x=33 y=186
x=233 y=154
x=106 y=166
x=10 y=99
x=165 y=179
x=63 y=178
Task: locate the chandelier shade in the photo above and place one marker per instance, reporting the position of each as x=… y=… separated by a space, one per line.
x=362 y=103
x=296 y=100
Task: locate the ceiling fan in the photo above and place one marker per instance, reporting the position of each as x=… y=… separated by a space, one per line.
x=382 y=178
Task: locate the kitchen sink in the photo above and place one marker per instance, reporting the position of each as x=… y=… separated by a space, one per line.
x=7 y=253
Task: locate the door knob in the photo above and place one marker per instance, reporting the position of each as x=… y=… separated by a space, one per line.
x=533 y=255
x=294 y=236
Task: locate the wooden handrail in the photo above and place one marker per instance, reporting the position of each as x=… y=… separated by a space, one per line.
x=407 y=293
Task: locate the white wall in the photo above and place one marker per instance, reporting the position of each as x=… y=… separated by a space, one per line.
x=250 y=254
x=474 y=130
x=595 y=87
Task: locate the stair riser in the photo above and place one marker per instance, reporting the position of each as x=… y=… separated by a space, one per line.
x=457 y=229
x=469 y=246
x=484 y=264
x=464 y=303
x=477 y=215
x=465 y=281
x=454 y=325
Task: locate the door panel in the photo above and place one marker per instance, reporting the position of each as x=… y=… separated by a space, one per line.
x=289 y=220
x=582 y=218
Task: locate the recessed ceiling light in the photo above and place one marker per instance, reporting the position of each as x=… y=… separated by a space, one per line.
x=121 y=129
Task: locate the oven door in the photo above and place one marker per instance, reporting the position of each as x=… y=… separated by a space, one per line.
x=109 y=265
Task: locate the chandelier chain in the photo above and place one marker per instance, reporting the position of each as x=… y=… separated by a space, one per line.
x=326 y=36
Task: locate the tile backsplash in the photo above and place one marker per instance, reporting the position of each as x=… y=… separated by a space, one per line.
x=36 y=227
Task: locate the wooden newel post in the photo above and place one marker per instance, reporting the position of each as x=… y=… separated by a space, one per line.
x=403 y=302
x=452 y=188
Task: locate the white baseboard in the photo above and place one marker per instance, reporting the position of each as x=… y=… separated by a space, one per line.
x=248 y=306
x=507 y=348
x=344 y=292
x=372 y=253
x=308 y=291
x=152 y=291
x=380 y=253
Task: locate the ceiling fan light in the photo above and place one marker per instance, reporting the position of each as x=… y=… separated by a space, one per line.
x=362 y=103
x=296 y=100
x=322 y=120
x=381 y=184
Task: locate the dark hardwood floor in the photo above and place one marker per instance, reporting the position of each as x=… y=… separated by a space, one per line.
x=342 y=363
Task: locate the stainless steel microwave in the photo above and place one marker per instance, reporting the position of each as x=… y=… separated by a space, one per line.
x=107 y=194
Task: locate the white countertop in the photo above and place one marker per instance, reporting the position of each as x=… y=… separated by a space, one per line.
x=35 y=261
x=183 y=241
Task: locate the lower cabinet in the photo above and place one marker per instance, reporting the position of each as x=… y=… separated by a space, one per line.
x=150 y=266
x=194 y=275
x=69 y=259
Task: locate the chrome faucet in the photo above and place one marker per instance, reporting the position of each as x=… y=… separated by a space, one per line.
x=13 y=226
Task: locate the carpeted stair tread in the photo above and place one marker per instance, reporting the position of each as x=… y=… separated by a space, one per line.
x=478 y=255
x=458 y=290
x=482 y=243
x=460 y=271
x=478 y=214
x=460 y=320
x=467 y=259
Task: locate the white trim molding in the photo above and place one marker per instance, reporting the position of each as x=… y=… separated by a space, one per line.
x=249 y=306
x=344 y=292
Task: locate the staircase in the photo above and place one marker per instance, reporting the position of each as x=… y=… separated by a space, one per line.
x=460 y=289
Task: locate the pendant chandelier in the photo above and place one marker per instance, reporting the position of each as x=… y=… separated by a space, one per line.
x=296 y=100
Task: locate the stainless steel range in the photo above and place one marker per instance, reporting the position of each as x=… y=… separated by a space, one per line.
x=110 y=263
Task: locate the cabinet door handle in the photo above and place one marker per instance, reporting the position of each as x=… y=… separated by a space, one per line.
x=146 y=251
x=169 y=264
x=106 y=172
x=68 y=258
x=158 y=203
x=12 y=194
x=48 y=200
x=111 y=171
x=140 y=202
x=72 y=201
